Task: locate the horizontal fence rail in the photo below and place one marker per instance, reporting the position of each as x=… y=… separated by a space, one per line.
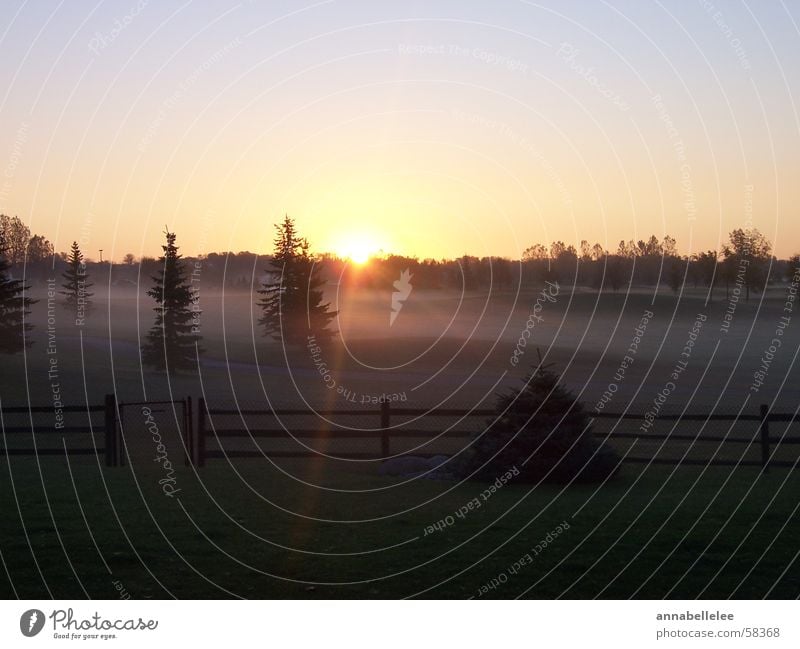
x=760 y=437
x=382 y=433
x=223 y=432
x=107 y=430
x=385 y=433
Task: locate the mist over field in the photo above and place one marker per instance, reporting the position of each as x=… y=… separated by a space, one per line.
x=444 y=347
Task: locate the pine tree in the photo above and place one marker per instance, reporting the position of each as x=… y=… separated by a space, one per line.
x=293 y=305
x=172 y=343
x=76 y=290
x=542 y=432
x=14 y=306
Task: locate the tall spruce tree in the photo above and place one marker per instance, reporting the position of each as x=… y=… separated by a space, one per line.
x=14 y=306
x=292 y=304
x=172 y=343
x=76 y=289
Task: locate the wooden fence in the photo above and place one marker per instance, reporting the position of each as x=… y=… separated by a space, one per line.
x=760 y=437
x=108 y=430
x=384 y=433
x=384 y=437
x=136 y=426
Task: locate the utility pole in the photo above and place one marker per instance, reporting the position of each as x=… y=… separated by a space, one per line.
x=101 y=255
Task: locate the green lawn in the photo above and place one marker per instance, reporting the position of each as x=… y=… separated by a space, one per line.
x=260 y=534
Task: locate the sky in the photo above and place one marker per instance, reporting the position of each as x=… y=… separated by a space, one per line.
x=432 y=129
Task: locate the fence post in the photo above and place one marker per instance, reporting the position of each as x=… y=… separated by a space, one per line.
x=201 y=432
x=385 y=418
x=765 y=436
x=188 y=458
x=110 y=428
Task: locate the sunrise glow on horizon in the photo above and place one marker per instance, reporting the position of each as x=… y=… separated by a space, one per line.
x=356 y=248
x=448 y=128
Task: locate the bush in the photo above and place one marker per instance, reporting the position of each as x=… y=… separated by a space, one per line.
x=544 y=424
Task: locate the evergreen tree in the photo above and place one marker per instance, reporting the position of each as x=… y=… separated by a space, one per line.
x=76 y=289
x=543 y=432
x=14 y=306
x=292 y=304
x=172 y=343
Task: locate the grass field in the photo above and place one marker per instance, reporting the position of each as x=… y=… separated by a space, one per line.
x=305 y=530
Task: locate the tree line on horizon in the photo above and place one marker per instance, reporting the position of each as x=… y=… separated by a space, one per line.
x=558 y=260
x=646 y=262
x=746 y=259
x=291 y=287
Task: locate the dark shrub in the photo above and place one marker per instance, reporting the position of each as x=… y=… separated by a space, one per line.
x=544 y=424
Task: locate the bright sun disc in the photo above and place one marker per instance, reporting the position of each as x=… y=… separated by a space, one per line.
x=358 y=251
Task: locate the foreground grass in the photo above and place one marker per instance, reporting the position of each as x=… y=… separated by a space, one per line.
x=83 y=531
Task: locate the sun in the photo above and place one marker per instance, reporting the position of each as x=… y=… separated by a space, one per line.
x=360 y=256
x=358 y=250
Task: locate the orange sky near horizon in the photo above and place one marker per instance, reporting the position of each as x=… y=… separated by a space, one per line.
x=429 y=129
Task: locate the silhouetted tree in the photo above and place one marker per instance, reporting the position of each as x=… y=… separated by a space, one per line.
x=616 y=268
x=747 y=257
x=14 y=306
x=669 y=248
x=598 y=252
x=468 y=269
x=534 y=253
x=543 y=432
x=292 y=304
x=586 y=251
x=39 y=249
x=675 y=274
x=172 y=343
x=501 y=272
x=707 y=270
x=791 y=266
x=563 y=262
x=17 y=235
x=76 y=289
